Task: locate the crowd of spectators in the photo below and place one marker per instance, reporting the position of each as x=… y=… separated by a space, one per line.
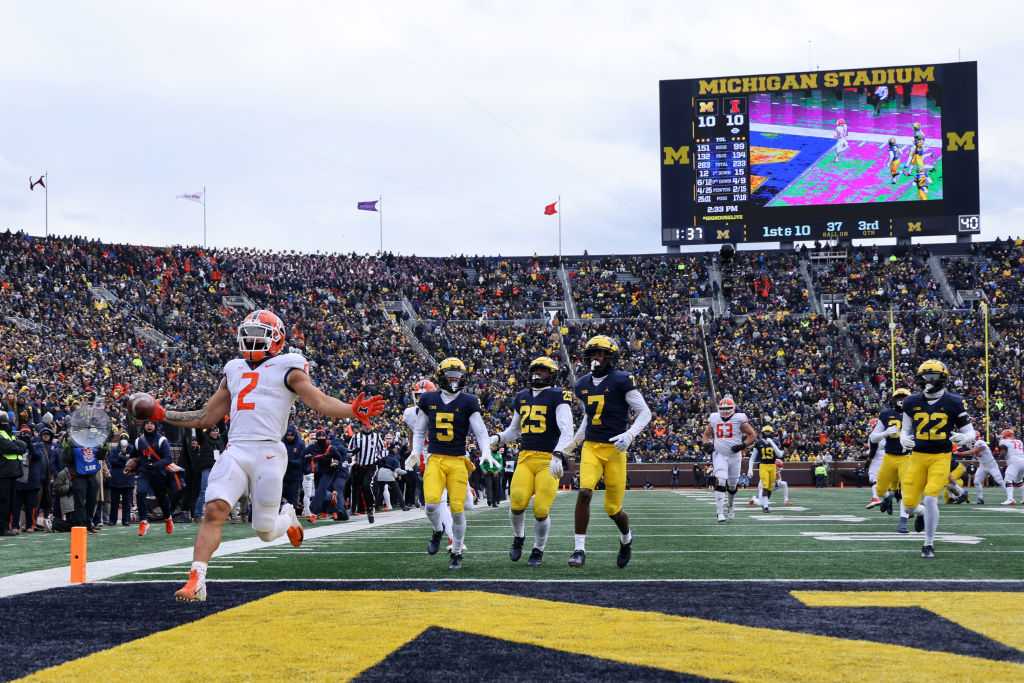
x=764 y=281
x=816 y=380
x=632 y=286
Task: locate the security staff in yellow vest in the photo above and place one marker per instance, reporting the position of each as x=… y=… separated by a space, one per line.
x=12 y=452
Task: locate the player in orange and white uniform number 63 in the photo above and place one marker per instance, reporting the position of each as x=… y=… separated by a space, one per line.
x=728 y=433
x=934 y=422
x=258 y=390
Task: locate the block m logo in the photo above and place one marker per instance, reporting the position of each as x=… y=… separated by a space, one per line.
x=706 y=106
x=914 y=227
x=955 y=141
x=675 y=156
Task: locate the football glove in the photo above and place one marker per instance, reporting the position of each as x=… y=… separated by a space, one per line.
x=708 y=447
x=364 y=408
x=959 y=439
x=495 y=441
x=486 y=459
x=622 y=441
x=738 y=447
x=892 y=431
x=558 y=465
x=412 y=462
x=907 y=441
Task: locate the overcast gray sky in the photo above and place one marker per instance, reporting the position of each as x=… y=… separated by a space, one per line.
x=467 y=117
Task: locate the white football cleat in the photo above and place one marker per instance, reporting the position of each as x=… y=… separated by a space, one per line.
x=1008 y=501
x=721 y=517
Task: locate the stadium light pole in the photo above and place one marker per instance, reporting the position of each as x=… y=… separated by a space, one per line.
x=984 y=313
x=559 y=229
x=380 y=219
x=204 y=216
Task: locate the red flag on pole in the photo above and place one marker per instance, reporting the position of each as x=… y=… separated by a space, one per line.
x=551 y=209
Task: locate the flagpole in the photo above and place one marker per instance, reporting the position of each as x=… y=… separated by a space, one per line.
x=204 y=216
x=559 y=228
x=46 y=204
x=380 y=217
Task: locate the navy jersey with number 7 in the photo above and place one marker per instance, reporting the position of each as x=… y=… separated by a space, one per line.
x=605 y=403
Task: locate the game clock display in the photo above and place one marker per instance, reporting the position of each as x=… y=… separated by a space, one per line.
x=822 y=155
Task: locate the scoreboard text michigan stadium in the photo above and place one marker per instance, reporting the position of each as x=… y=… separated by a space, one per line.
x=844 y=154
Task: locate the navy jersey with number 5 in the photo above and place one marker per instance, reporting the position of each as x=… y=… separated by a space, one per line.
x=448 y=423
x=605 y=403
x=537 y=421
x=935 y=422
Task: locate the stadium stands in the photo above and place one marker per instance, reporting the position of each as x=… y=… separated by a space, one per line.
x=80 y=316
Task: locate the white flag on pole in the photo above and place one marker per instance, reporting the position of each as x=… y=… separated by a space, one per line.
x=196 y=197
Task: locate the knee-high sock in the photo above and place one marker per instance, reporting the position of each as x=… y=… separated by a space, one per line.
x=519 y=524
x=903 y=511
x=979 y=488
x=720 y=501
x=458 y=531
x=760 y=493
x=874 y=490
x=434 y=515
x=446 y=519
x=281 y=525
x=931 y=519
x=1008 y=485
x=785 y=491
x=540 y=533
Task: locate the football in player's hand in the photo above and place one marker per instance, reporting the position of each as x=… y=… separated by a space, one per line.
x=141 y=406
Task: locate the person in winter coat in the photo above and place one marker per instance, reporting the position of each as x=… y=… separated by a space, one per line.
x=121 y=484
x=30 y=485
x=296 y=449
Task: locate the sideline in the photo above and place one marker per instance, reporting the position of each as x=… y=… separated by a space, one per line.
x=57 y=577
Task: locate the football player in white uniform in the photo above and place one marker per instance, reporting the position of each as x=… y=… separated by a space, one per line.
x=258 y=390
x=841 y=134
x=728 y=433
x=1014 y=475
x=987 y=465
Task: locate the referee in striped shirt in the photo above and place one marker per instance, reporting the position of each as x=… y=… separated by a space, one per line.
x=367 y=449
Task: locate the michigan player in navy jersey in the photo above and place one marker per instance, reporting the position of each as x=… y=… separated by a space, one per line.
x=608 y=395
x=543 y=423
x=934 y=422
x=892 y=471
x=446 y=417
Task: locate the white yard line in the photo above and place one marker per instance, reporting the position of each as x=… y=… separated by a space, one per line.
x=829 y=580
x=43 y=579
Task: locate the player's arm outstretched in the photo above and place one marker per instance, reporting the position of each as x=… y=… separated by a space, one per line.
x=643 y=417
x=361 y=408
x=143 y=407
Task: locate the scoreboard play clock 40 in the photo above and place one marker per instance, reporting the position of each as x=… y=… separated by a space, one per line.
x=855 y=153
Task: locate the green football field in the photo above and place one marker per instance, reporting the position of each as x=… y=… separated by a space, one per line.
x=823 y=534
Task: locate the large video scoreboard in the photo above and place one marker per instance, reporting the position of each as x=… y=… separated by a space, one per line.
x=820 y=155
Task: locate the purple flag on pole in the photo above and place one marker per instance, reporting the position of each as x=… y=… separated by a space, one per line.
x=367 y=206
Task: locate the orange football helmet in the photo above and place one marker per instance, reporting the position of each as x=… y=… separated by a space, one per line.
x=726 y=407
x=1006 y=434
x=260 y=336
x=421 y=387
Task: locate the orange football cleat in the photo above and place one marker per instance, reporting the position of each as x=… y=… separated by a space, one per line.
x=194 y=589
x=295 y=535
x=143 y=528
x=311 y=519
x=169 y=525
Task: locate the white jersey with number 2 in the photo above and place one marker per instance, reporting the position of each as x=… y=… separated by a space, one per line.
x=260 y=400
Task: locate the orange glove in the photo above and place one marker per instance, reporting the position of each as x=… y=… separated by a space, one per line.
x=364 y=408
